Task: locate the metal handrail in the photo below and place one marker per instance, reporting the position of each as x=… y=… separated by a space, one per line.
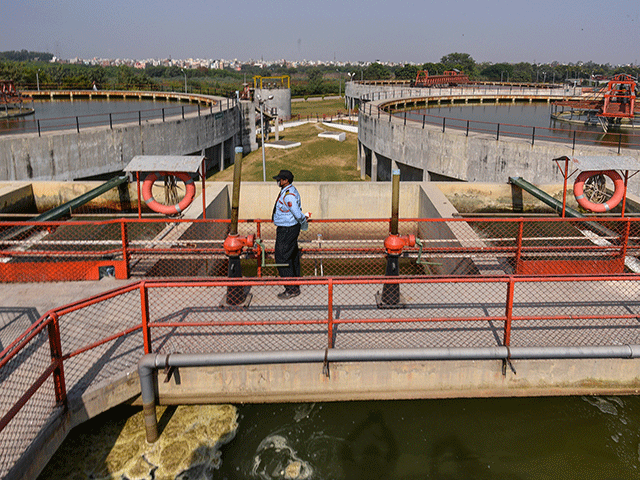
x=55 y=369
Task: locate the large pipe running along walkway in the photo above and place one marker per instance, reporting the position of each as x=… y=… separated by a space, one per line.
x=150 y=364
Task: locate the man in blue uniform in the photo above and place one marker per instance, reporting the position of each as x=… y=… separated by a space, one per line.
x=289 y=219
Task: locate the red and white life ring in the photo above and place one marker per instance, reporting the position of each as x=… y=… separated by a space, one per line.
x=156 y=206
x=616 y=198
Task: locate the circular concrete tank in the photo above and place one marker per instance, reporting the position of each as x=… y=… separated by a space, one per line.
x=279 y=105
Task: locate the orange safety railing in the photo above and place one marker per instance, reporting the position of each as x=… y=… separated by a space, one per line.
x=76 y=348
x=177 y=248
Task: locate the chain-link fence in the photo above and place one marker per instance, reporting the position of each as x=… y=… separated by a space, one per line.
x=172 y=248
x=90 y=344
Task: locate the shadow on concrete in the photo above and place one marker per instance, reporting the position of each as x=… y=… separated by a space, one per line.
x=14 y=321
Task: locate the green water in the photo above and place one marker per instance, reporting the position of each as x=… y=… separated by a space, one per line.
x=510 y=438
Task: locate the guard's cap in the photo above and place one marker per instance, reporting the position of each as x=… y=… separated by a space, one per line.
x=285 y=175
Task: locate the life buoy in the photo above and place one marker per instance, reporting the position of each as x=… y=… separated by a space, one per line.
x=616 y=198
x=156 y=206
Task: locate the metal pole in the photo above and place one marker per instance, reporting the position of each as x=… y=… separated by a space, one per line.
x=395 y=202
x=565 y=174
x=203 y=177
x=235 y=200
x=264 y=164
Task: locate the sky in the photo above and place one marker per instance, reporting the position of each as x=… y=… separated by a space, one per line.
x=534 y=31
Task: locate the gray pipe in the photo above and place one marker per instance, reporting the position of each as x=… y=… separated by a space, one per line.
x=148 y=364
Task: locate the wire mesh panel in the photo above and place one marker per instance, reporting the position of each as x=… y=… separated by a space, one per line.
x=18 y=377
x=340 y=248
x=418 y=314
x=83 y=333
x=177 y=249
x=199 y=319
x=25 y=427
x=576 y=313
x=60 y=251
x=174 y=248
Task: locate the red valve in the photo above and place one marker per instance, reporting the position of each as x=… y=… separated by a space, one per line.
x=234 y=244
x=395 y=243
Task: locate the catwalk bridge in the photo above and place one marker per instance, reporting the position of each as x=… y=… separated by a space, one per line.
x=467 y=324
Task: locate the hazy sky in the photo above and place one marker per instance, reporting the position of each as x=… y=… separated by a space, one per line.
x=400 y=30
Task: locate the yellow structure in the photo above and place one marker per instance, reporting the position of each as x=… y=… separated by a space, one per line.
x=283 y=81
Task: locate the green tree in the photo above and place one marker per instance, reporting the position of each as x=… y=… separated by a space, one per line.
x=523 y=72
x=98 y=75
x=376 y=71
x=126 y=76
x=498 y=71
x=459 y=61
x=434 y=68
x=407 y=72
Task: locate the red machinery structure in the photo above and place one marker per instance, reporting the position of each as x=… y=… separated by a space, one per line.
x=611 y=105
x=450 y=78
x=9 y=95
x=620 y=97
x=12 y=101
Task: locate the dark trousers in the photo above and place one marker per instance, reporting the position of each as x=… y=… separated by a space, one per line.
x=287 y=251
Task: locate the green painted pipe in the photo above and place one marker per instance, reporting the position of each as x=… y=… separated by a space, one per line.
x=544 y=197
x=61 y=210
x=557 y=205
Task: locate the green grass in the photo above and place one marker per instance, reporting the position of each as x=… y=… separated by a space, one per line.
x=311 y=108
x=316 y=160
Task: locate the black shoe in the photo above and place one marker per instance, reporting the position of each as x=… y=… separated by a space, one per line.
x=287 y=295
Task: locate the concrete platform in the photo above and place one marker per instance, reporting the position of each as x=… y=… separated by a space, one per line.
x=282 y=144
x=339 y=136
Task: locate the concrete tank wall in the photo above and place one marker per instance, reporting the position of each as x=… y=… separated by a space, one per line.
x=477 y=157
x=68 y=155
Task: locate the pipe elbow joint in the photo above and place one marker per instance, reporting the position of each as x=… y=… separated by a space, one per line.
x=234 y=244
x=394 y=244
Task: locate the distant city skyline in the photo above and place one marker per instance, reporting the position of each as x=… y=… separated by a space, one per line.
x=353 y=31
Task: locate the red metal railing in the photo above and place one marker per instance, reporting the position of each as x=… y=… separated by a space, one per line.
x=73 y=348
x=160 y=248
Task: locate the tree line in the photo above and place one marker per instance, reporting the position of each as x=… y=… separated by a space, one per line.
x=31 y=69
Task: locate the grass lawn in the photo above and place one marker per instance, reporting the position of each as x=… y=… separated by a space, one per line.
x=311 y=108
x=317 y=159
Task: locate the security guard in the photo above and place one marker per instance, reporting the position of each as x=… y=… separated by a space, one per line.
x=289 y=220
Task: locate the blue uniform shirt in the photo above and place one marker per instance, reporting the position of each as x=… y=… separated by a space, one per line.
x=288 y=211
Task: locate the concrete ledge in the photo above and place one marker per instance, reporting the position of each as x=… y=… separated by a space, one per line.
x=340 y=137
x=346 y=128
x=16 y=197
x=399 y=380
x=282 y=144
